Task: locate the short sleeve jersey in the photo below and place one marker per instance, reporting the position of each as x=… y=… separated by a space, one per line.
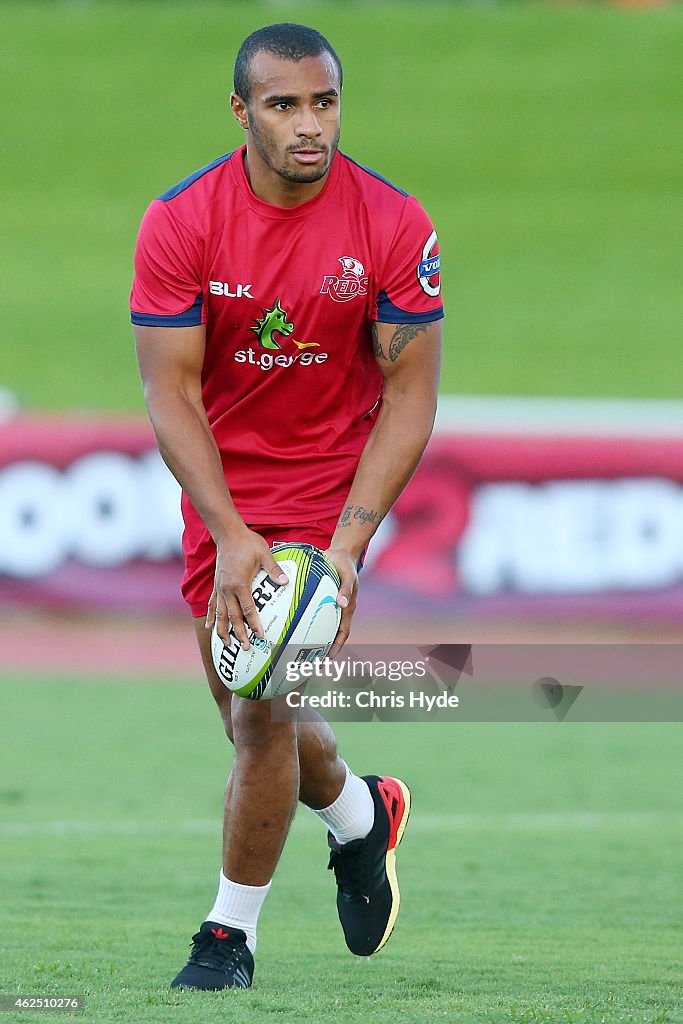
x=290 y=383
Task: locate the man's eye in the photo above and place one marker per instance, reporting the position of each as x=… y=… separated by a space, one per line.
x=324 y=104
x=282 y=106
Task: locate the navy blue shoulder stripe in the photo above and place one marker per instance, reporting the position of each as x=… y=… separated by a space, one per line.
x=374 y=174
x=190 y=180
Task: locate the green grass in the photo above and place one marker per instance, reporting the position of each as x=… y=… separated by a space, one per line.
x=518 y=906
x=545 y=142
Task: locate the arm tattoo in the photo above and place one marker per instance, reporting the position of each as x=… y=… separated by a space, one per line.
x=401 y=336
x=360 y=514
x=376 y=343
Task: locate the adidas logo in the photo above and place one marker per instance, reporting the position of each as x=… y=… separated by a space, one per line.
x=219 y=933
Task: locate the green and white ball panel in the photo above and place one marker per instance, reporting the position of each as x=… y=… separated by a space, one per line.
x=300 y=621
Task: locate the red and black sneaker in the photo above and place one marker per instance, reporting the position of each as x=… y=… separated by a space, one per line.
x=368 y=897
x=220 y=958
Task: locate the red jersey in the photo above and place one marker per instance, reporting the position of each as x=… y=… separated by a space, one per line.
x=290 y=383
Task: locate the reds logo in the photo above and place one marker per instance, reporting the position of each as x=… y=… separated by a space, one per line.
x=353 y=281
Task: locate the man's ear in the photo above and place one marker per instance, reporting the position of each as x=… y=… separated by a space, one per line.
x=239 y=110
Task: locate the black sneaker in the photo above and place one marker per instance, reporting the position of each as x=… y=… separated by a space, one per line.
x=219 y=959
x=368 y=898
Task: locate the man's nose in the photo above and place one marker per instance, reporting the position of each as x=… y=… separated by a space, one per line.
x=307 y=124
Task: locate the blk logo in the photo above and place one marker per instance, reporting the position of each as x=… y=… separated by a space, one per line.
x=241 y=291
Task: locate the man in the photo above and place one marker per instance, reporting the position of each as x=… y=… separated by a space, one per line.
x=287 y=318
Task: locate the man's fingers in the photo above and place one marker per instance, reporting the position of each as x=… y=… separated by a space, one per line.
x=220 y=617
x=345 y=597
x=274 y=570
x=252 y=618
x=243 y=613
x=237 y=623
x=341 y=637
x=344 y=628
x=211 y=611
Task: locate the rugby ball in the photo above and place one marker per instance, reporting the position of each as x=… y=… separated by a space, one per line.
x=300 y=620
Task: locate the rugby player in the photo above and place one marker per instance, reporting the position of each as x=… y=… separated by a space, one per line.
x=287 y=315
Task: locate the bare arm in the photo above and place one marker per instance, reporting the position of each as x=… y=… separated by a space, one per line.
x=170 y=360
x=409 y=357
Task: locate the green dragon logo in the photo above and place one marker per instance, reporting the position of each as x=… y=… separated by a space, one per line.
x=274 y=321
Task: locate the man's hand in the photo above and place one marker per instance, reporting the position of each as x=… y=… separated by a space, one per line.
x=238 y=560
x=345 y=563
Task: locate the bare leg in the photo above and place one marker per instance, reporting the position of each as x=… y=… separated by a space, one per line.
x=261 y=795
x=275 y=762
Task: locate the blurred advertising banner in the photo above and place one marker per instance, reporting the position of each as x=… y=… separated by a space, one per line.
x=89 y=515
x=563 y=507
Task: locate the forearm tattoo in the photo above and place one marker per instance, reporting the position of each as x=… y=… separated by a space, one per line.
x=359 y=514
x=399 y=339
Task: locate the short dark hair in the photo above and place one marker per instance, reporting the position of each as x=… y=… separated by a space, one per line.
x=285 y=40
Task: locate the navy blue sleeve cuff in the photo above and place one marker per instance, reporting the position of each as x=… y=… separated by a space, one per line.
x=388 y=313
x=191 y=317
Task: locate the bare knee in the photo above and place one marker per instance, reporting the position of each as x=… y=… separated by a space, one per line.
x=258 y=726
x=322 y=770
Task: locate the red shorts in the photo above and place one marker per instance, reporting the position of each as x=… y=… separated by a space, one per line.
x=200 y=565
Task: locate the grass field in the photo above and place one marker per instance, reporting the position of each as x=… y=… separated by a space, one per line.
x=544 y=140
x=540 y=872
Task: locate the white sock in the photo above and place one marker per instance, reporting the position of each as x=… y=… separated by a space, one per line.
x=238 y=906
x=352 y=814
